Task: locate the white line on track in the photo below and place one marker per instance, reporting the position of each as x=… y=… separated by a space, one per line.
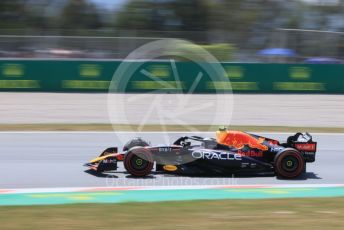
x=326 y=212
x=107 y=189
x=284 y=212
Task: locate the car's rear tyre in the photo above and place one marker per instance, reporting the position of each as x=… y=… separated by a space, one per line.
x=138 y=162
x=135 y=142
x=289 y=164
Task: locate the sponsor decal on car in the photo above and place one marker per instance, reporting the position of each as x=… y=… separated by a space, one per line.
x=276 y=149
x=210 y=155
x=170 y=168
x=273 y=142
x=165 y=149
x=251 y=153
x=309 y=147
x=109 y=161
x=239 y=140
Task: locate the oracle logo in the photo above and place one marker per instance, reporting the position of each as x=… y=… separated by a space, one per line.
x=204 y=154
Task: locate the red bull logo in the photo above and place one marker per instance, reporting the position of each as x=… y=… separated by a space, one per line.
x=239 y=139
x=250 y=153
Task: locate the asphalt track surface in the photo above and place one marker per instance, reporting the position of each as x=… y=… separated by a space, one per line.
x=37 y=160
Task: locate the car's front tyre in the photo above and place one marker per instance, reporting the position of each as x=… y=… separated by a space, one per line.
x=138 y=162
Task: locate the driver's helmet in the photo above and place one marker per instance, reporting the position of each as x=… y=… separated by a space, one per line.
x=221 y=134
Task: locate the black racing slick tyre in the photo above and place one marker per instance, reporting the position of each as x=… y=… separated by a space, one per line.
x=138 y=162
x=135 y=142
x=289 y=164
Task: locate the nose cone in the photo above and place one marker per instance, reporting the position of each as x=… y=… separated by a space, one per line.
x=98 y=159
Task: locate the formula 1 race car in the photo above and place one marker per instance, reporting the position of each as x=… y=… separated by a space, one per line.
x=232 y=152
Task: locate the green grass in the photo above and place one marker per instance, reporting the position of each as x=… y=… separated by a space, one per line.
x=119 y=127
x=313 y=214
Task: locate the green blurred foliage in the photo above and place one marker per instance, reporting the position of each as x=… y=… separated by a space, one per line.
x=191 y=15
x=135 y=15
x=13 y=14
x=221 y=51
x=249 y=24
x=165 y=15
x=80 y=14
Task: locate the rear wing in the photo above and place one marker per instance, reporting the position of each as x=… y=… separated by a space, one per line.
x=305 y=144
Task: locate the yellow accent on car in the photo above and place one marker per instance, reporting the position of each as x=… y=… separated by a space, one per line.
x=170 y=168
x=95 y=160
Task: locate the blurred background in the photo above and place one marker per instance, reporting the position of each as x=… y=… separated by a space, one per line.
x=294 y=48
x=294 y=31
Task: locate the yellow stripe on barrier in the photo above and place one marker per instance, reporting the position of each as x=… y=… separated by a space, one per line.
x=223 y=85
x=80 y=84
x=158 y=85
x=298 y=86
x=19 y=84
